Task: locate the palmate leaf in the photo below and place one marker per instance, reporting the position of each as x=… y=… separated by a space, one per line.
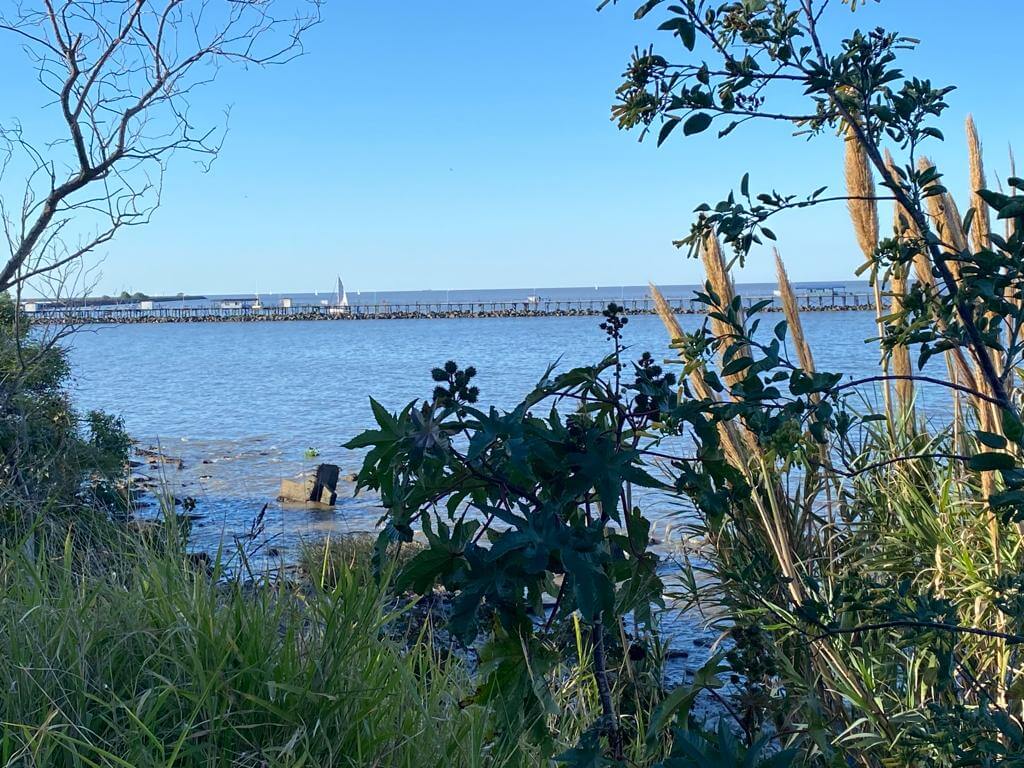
x=425 y=569
x=370 y=437
x=488 y=428
x=391 y=427
x=601 y=469
x=724 y=750
x=592 y=590
x=585 y=376
x=676 y=706
x=384 y=443
x=514 y=688
x=642 y=594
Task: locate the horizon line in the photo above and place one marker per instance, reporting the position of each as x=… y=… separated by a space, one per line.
x=599 y=286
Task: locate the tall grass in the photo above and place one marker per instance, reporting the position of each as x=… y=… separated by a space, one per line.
x=871 y=603
x=155 y=662
x=141 y=656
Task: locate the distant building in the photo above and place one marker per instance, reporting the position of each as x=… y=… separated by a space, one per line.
x=286 y=303
x=236 y=304
x=30 y=306
x=146 y=304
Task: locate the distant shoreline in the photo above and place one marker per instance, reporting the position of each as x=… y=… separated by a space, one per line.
x=836 y=301
x=454 y=295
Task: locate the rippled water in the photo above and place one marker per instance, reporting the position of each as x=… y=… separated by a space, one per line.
x=241 y=403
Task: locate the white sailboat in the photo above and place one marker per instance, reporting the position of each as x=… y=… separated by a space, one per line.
x=340 y=300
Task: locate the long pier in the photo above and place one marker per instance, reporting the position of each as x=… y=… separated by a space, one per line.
x=813 y=302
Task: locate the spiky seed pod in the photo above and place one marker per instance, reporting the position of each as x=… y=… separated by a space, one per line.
x=982 y=224
x=860 y=188
x=791 y=310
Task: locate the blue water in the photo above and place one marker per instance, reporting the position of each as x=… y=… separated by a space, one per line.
x=250 y=399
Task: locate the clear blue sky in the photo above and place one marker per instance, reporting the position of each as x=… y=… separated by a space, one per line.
x=462 y=143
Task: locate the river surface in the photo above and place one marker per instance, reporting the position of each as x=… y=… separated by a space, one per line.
x=242 y=404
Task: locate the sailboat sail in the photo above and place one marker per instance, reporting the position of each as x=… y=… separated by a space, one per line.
x=342 y=297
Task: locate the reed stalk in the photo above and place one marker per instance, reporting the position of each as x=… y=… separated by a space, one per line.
x=741 y=451
x=1011 y=223
x=982 y=224
x=981 y=229
x=791 y=310
x=900 y=355
x=929 y=515
x=860 y=187
x=720 y=281
x=738 y=443
x=863 y=208
x=947 y=219
x=773 y=510
x=947 y=223
x=901 y=365
x=736 y=448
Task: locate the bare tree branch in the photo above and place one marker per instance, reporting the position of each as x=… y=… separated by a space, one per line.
x=121 y=72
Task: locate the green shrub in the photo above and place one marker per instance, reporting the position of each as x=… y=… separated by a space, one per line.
x=53 y=463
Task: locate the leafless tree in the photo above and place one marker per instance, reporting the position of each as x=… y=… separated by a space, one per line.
x=120 y=73
x=118 y=78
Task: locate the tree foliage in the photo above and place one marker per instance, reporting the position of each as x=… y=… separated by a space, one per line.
x=865 y=573
x=54 y=460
